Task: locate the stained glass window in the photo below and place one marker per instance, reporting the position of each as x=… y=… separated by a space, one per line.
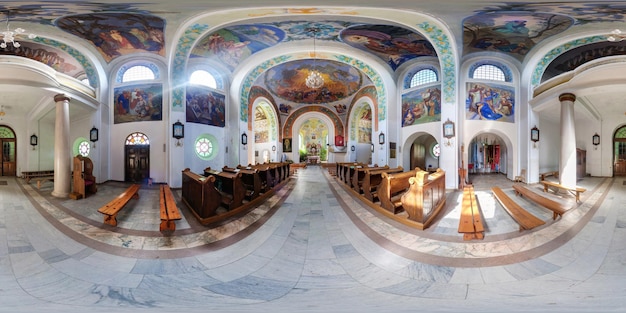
x=83 y=148
x=137 y=139
x=436 y=150
x=206 y=147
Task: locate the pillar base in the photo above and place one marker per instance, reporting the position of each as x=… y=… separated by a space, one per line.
x=60 y=194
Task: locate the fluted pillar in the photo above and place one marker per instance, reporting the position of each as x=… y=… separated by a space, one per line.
x=567 y=164
x=62 y=157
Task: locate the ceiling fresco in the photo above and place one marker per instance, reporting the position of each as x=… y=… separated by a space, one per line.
x=57 y=59
x=287 y=81
x=117 y=34
x=576 y=57
x=392 y=44
x=514 y=33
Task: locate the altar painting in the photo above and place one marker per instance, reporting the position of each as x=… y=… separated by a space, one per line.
x=141 y=102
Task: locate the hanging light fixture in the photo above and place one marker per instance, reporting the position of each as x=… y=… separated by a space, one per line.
x=8 y=36
x=315 y=79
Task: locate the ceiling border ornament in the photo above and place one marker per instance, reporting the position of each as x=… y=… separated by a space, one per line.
x=556 y=52
x=178 y=73
x=444 y=52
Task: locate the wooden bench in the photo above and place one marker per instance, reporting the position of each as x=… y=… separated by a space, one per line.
x=169 y=210
x=557 y=208
x=470 y=223
x=200 y=194
x=111 y=209
x=524 y=218
x=391 y=189
x=372 y=180
x=359 y=175
x=230 y=186
x=576 y=191
x=542 y=176
x=425 y=197
x=28 y=175
x=43 y=179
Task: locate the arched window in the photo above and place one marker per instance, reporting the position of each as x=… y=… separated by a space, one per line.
x=489 y=72
x=138 y=72
x=423 y=77
x=203 y=78
x=137 y=139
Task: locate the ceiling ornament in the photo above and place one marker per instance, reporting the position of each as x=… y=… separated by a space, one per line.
x=8 y=36
x=616 y=35
x=315 y=79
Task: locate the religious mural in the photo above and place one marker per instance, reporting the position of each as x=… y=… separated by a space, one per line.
x=364 y=125
x=229 y=46
x=514 y=33
x=57 y=59
x=140 y=102
x=261 y=126
x=117 y=34
x=421 y=106
x=576 y=57
x=204 y=106
x=490 y=102
x=395 y=45
x=286 y=81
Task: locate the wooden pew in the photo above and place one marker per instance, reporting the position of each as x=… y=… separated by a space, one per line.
x=372 y=179
x=265 y=175
x=200 y=194
x=470 y=223
x=111 y=209
x=230 y=186
x=557 y=208
x=542 y=176
x=83 y=180
x=524 y=218
x=359 y=175
x=576 y=191
x=391 y=189
x=425 y=196
x=251 y=181
x=168 y=209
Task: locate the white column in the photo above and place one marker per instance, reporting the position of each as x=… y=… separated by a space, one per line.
x=62 y=155
x=567 y=164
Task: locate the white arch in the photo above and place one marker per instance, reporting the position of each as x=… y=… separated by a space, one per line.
x=297 y=124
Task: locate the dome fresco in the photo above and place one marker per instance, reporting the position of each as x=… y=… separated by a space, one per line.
x=287 y=81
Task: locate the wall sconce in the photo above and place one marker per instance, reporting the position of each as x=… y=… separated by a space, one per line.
x=33 y=140
x=381 y=138
x=596 y=139
x=178 y=132
x=534 y=135
x=372 y=148
x=448 y=132
x=244 y=140
x=352 y=148
x=93 y=135
x=273 y=148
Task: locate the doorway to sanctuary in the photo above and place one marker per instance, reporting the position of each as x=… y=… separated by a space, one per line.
x=137 y=158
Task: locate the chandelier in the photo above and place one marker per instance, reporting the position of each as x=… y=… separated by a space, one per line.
x=8 y=36
x=616 y=35
x=315 y=79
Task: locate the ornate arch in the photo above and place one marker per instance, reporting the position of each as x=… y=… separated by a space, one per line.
x=288 y=128
x=367 y=92
x=255 y=94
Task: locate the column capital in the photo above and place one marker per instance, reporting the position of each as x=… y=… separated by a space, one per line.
x=61 y=97
x=567 y=97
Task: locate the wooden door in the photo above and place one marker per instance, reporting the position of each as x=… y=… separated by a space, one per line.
x=137 y=169
x=619 y=155
x=8 y=157
x=418 y=156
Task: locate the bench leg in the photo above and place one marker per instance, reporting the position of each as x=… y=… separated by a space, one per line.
x=167 y=225
x=110 y=220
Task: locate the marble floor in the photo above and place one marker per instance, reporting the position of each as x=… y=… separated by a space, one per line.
x=312 y=246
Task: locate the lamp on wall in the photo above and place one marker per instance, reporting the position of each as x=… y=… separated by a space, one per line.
x=534 y=135
x=178 y=132
x=381 y=138
x=244 y=139
x=273 y=148
x=596 y=139
x=315 y=79
x=93 y=135
x=8 y=36
x=33 y=140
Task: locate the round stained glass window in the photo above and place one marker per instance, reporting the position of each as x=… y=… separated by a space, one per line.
x=436 y=150
x=206 y=147
x=83 y=148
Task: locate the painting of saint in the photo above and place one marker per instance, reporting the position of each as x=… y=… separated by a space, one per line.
x=142 y=102
x=421 y=106
x=205 y=106
x=490 y=102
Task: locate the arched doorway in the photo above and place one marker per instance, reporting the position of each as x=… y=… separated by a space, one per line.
x=487 y=154
x=619 y=152
x=424 y=153
x=313 y=138
x=8 y=142
x=137 y=158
